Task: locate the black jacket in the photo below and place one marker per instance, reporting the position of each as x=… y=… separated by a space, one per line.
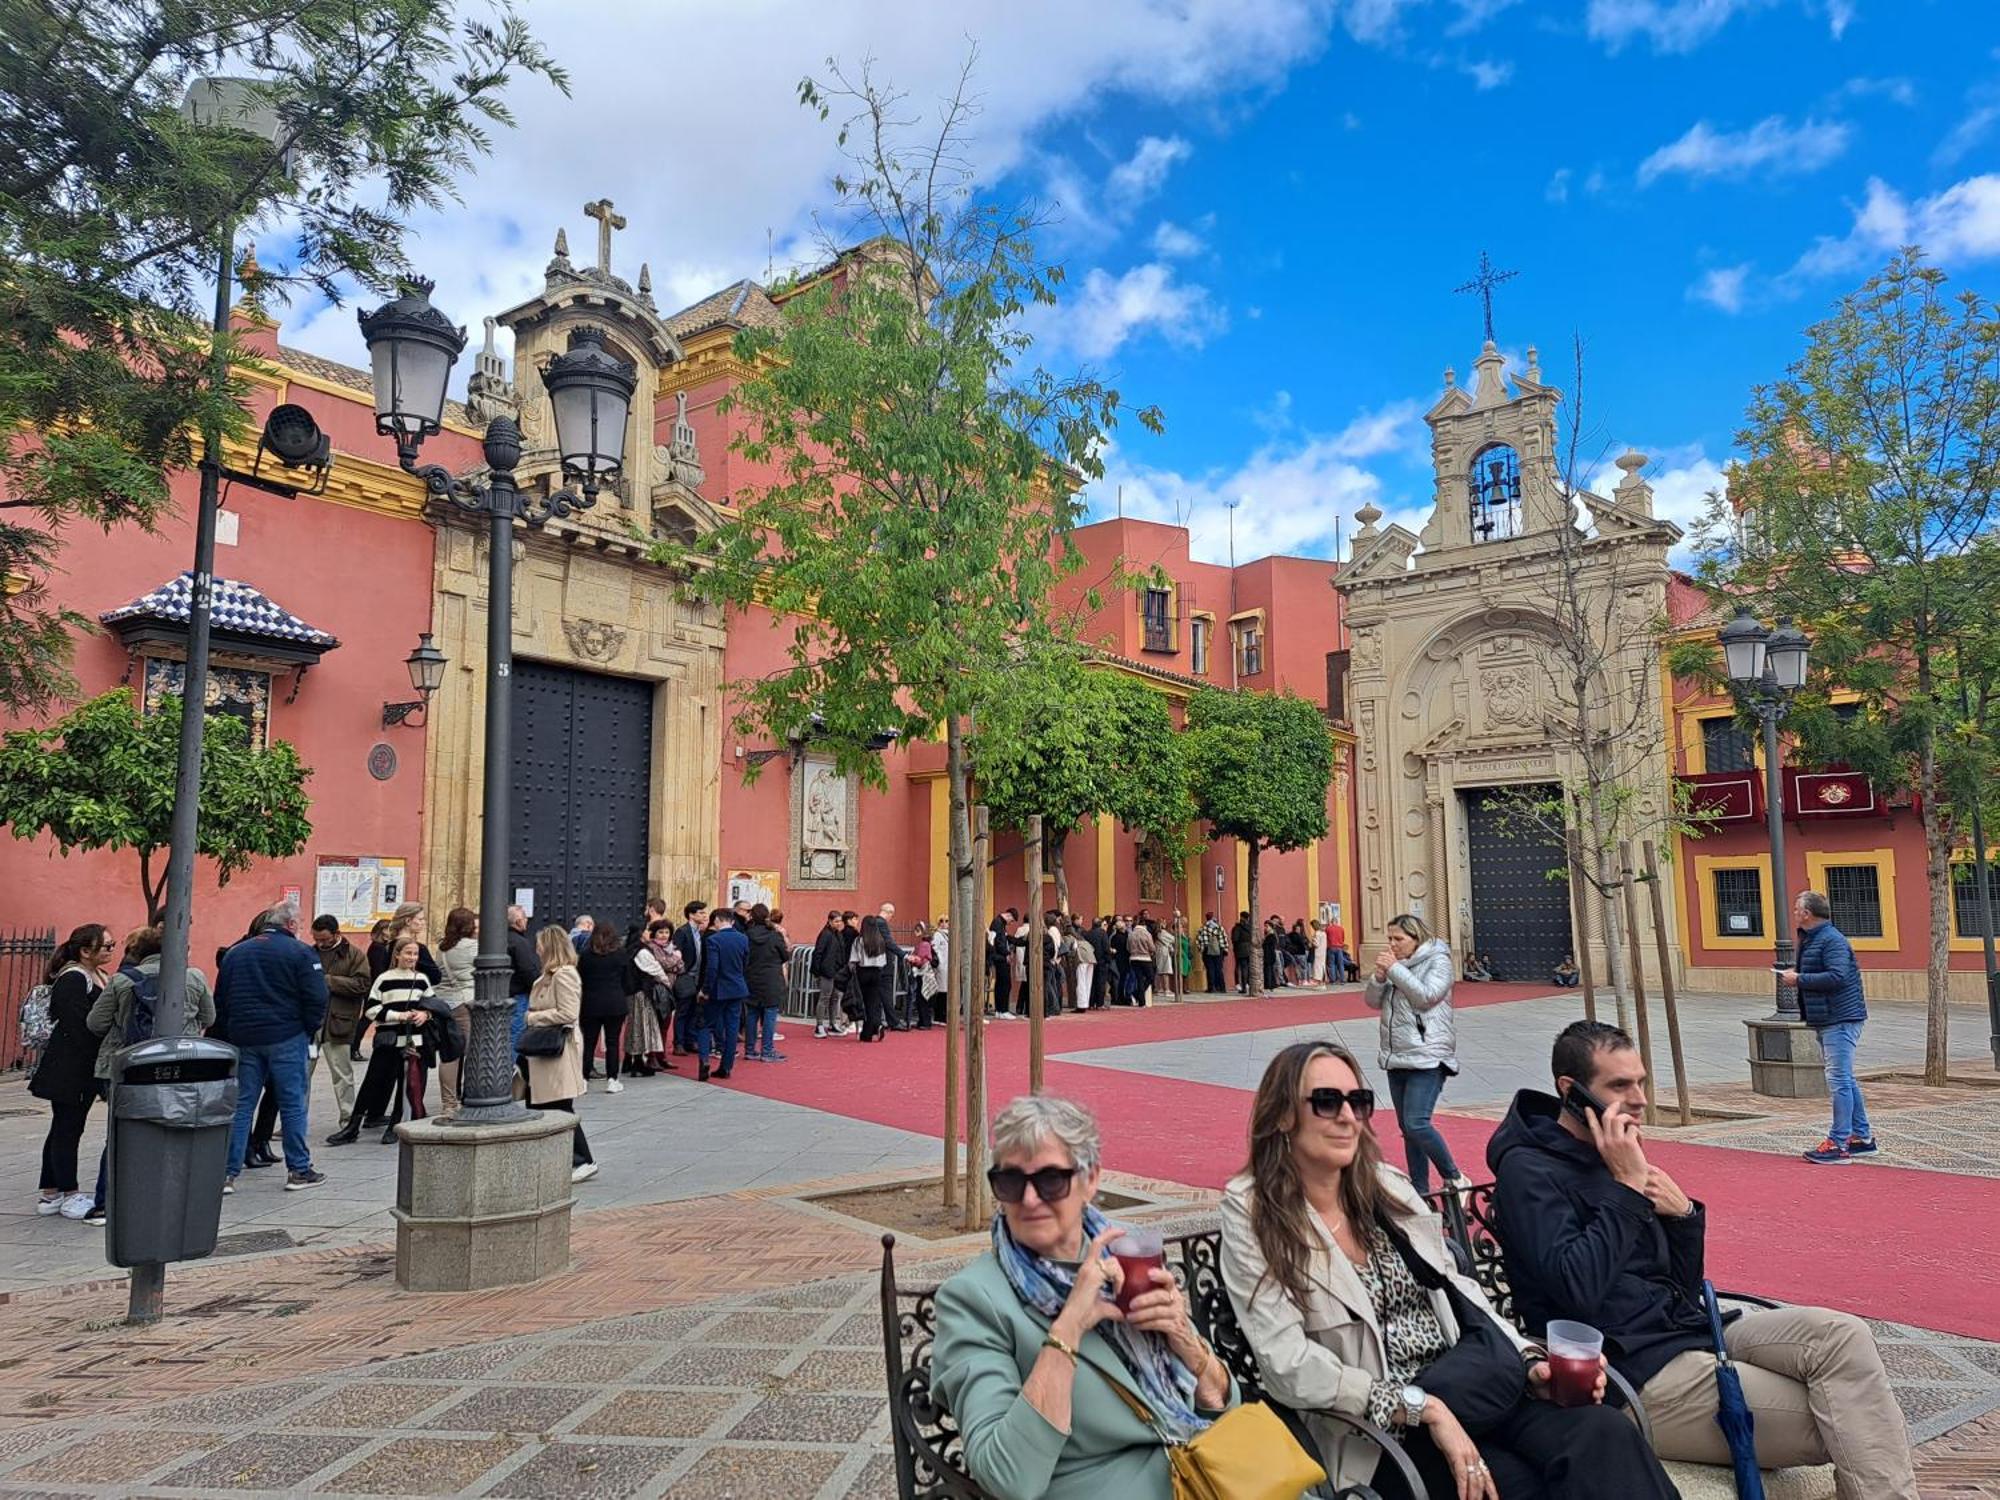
x=606 y=993
x=527 y=967
x=67 y=1072
x=1239 y=939
x=1581 y=1245
x=764 y=969
x=829 y=960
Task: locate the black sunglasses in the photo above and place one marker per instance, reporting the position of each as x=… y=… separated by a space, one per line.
x=1326 y=1103
x=1052 y=1184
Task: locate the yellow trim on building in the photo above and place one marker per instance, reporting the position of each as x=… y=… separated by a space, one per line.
x=1196 y=897
x=1312 y=879
x=363 y=483
x=1242 y=876
x=1343 y=843
x=1884 y=860
x=1705 y=866
x=940 y=881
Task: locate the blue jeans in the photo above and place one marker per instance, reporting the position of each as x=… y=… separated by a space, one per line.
x=1414 y=1092
x=763 y=1032
x=284 y=1064
x=520 y=1019
x=721 y=1022
x=1850 y=1115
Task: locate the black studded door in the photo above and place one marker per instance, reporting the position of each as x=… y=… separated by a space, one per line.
x=1520 y=917
x=583 y=752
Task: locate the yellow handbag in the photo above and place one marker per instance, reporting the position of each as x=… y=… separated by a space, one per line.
x=1248 y=1453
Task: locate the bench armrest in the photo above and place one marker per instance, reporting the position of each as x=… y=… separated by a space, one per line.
x=1633 y=1404
x=1360 y=1427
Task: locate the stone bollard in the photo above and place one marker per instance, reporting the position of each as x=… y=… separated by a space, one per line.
x=482 y=1206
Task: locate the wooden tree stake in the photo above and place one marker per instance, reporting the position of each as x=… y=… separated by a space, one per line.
x=1037 y=981
x=1638 y=972
x=976 y=1209
x=1667 y=996
x=1579 y=901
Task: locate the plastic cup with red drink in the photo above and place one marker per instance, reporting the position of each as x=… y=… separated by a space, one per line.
x=1139 y=1253
x=1574 y=1352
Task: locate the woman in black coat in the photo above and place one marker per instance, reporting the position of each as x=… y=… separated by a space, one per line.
x=607 y=974
x=66 y=1076
x=764 y=972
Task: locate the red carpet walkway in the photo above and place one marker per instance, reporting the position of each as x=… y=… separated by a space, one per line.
x=1909 y=1246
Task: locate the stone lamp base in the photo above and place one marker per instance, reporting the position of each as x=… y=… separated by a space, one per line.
x=1785 y=1060
x=482 y=1206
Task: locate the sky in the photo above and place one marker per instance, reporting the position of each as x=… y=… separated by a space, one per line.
x=1263 y=207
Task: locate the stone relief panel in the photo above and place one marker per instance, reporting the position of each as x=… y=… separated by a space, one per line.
x=826 y=811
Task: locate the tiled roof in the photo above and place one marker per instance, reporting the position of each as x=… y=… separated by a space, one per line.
x=236 y=608
x=743 y=304
x=336 y=373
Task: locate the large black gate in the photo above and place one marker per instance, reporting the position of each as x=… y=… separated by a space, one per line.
x=1520 y=917
x=583 y=752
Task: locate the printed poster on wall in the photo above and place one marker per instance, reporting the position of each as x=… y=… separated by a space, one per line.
x=752 y=886
x=359 y=890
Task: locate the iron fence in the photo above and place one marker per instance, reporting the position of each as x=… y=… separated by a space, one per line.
x=24 y=958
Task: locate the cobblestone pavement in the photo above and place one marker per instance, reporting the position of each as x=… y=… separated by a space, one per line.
x=774 y=1394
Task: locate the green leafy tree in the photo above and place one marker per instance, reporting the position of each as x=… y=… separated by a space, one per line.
x=917 y=502
x=102 y=777
x=113 y=208
x=1864 y=508
x=1259 y=765
x=1071 y=742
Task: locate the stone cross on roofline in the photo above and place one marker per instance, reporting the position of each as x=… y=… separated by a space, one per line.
x=607 y=221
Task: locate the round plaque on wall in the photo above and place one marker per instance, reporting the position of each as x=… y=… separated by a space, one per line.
x=381 y=761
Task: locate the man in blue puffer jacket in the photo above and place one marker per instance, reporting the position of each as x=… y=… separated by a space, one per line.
x=1829 y=985
x=270 y=999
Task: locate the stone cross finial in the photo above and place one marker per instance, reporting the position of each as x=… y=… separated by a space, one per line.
x=491 y=324
x=606 y=222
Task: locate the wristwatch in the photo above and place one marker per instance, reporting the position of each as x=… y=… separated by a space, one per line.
x=1414 y=1400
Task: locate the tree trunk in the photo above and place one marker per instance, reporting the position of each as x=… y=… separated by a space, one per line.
x=155 y=908
x=1256 y=928
x=1054 y=846
x=1612 y=923
x=963 y=993
x=1937 y=875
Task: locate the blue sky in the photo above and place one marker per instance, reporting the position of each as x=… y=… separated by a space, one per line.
x=1266 y=204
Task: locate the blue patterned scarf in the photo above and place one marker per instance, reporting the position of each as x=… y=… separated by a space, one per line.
x=1164 y=1383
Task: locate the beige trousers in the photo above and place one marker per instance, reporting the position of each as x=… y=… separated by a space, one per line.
x=340 y=1066
x=448 y=1072
x=1815 y=1383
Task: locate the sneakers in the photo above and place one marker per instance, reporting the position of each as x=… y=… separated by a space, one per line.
x=47 y=1206
x=298 y=1182
x=96 y=1217
x=228 y=1186
x=1861 y=1145
x=1828 y=1154
x=75 y=1206
x=768 y=1057
x=820 y=1032
x=613 y=1086
x=583 y=1173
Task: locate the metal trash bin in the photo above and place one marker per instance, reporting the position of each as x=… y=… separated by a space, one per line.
x=173 y=1101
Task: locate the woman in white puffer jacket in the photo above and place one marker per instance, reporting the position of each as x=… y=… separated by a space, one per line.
x=1411 y=986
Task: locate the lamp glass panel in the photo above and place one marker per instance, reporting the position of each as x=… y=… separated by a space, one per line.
x=1788 y=664
x=426 y=672
x=1746 y=659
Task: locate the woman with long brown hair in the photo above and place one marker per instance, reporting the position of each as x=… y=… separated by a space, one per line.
x=1343 y=1286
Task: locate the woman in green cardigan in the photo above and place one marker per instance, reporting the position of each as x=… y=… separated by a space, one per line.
x=1029 y=1341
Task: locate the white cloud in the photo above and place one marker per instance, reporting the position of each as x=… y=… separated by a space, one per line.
x=1682 y=479
x=1558 y=189
x=1683 y=25
x=1288 y=494
x=1474 y=14
x=1376 y=21
x=737 y=165
x=1724 y=287
x=1958 y=225
x=1136 y=179
x=1486 y=74
x=1109 y=310
x=1772 y=143
x=1967 y=133
x=1895 y=90
x=1177 y=242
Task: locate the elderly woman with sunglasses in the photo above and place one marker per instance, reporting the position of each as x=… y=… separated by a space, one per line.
x=1342 y=1284
x=1032 y=1353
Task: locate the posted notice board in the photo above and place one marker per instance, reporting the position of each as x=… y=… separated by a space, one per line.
x=359 y=890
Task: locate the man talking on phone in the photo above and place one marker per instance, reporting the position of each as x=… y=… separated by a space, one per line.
x=1593 y=1231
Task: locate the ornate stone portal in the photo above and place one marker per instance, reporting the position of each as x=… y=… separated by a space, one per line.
x=1456 y=683
x=584 y=594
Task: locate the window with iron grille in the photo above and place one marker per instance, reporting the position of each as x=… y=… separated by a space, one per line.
x=1198 y=646
x=1739 y=903
x=1726 y=744
x=1965 y=914
x=1159 y=620
x=1855 y=894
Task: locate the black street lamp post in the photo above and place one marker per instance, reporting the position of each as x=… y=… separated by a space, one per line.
x=1766 y=667
x=413 y=346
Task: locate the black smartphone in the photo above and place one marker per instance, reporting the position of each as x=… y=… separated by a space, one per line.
x=1577 y=1099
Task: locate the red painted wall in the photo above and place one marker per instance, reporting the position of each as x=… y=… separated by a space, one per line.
x=363 y=576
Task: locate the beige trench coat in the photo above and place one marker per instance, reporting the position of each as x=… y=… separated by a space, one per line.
x=557 y=1000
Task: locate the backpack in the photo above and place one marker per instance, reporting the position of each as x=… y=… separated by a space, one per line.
x=37 y=1025
x=145 y=991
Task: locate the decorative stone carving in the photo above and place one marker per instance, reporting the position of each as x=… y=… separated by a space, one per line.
x=1510 y=697
x=593 y=640
x=825 y=812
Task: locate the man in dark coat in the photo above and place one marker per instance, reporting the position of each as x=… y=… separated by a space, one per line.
x=829 y=973
x=689 y=941
x=724 y=987
x=270 y=998
x=1828 y=980
x=1595 y=1233
x=1240 y=948
x=524 y=965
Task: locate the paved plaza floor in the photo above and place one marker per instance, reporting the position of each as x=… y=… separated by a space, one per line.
x=717 y=1332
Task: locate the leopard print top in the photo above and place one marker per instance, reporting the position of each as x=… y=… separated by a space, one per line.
x=1411 y=1335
